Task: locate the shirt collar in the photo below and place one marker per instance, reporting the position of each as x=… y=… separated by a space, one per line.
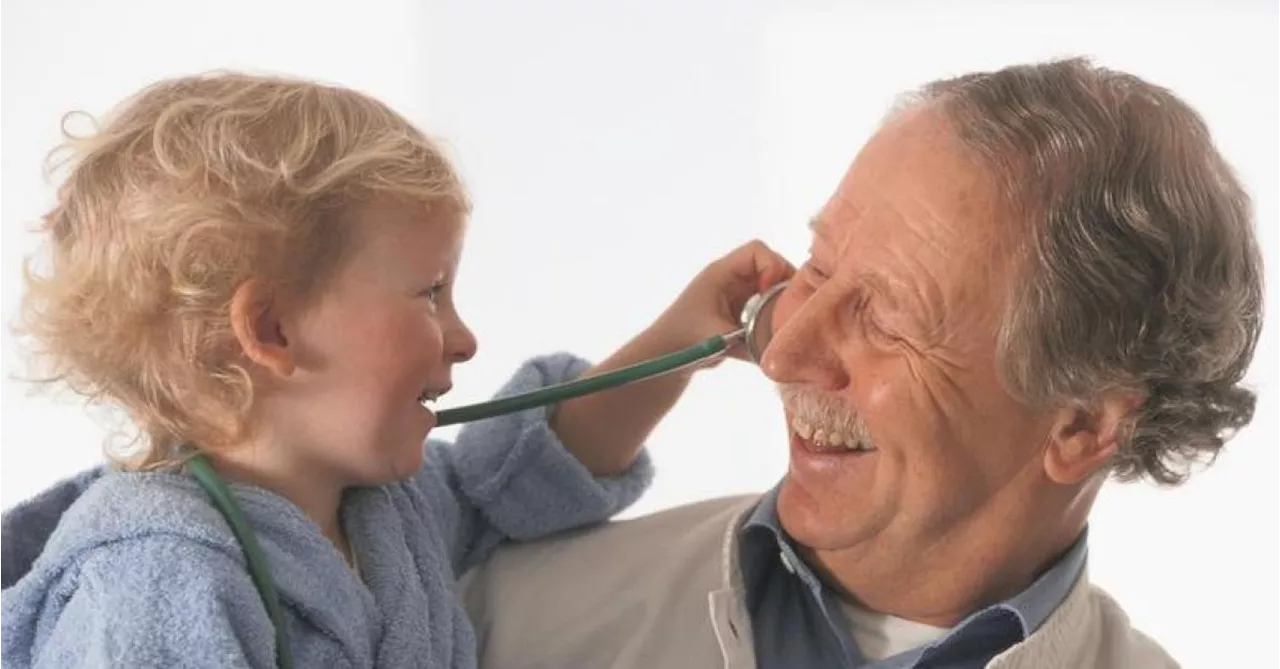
x=766 y=544
x=1035 y=604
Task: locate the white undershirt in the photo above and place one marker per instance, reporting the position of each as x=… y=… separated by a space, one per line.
x=879 y=635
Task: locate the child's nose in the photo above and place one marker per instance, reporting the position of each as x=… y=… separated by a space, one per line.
x=460 y=345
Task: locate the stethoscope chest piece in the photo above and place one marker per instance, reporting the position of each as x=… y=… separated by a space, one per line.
x=757 y=321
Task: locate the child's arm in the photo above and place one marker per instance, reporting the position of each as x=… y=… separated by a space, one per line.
x=510 y=476
x=545 y=470
x=605 y=430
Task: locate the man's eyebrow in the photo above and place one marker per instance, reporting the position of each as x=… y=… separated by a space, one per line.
x=816 y=226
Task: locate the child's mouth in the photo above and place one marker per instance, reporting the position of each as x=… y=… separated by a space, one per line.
x=429 y=396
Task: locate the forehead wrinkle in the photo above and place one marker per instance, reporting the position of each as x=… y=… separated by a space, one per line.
x=939 y=241
x=942 y=231
x=900 y=242
x=892 y=267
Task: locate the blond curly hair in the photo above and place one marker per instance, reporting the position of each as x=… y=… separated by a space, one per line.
x=192 y=187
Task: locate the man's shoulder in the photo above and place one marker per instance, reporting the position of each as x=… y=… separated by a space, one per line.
x=684 y=543
x=1120 y=643
x=693 y=529
x=1089 y=628
x=592 y=597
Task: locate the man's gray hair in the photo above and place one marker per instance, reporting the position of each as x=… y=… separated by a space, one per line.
x=1141 y=270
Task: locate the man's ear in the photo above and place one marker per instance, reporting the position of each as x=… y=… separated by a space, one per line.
x=1083 y=438
x=257 y=325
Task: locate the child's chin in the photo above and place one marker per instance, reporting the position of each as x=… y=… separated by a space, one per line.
x=405 y=468
x=394 y=468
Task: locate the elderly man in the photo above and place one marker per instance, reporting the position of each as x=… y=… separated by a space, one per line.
x=1029 y=281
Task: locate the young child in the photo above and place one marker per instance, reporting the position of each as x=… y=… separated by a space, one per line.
x=260 y=270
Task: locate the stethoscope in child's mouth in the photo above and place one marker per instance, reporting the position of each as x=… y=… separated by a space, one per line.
x=754 y=333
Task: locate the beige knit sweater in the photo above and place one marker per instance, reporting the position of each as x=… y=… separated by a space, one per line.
x=664 y=591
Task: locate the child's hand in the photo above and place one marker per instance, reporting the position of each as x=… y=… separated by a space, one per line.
x=713 y=301
x=604 y=430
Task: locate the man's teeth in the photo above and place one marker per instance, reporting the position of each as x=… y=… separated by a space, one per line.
x=826 y=437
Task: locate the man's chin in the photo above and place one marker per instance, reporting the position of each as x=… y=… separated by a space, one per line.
x=815 y=522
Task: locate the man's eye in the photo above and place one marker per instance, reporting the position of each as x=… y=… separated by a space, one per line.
x=817 y=273
x=874 y=327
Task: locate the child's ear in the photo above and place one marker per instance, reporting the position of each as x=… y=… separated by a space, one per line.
x=257 y=324
x=1084 y=438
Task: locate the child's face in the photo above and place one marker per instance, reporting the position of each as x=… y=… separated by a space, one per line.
x=383 y=333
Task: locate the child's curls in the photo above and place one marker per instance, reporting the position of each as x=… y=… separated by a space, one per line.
x=195 y=186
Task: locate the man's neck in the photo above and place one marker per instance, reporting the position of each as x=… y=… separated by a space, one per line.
x=942 y=581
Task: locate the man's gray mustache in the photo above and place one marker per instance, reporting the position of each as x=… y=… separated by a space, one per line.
x=815 y=407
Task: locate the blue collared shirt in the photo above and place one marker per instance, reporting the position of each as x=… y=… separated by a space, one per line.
x=797 y=621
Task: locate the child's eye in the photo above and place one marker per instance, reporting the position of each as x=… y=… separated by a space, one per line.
x=433 y=293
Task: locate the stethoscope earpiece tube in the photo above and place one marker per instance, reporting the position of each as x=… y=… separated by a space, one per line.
x=257 y=560
x=704 y=351
x=756 y=315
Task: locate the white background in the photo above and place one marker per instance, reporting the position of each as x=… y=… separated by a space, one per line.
x=614 y=149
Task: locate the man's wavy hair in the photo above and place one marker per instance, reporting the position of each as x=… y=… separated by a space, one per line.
x=1140 y=270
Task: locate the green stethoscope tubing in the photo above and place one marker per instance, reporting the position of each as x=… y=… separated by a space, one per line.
x=704 y=351
x=257 y=561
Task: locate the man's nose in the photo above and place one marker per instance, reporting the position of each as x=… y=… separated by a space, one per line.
x=804 y=347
